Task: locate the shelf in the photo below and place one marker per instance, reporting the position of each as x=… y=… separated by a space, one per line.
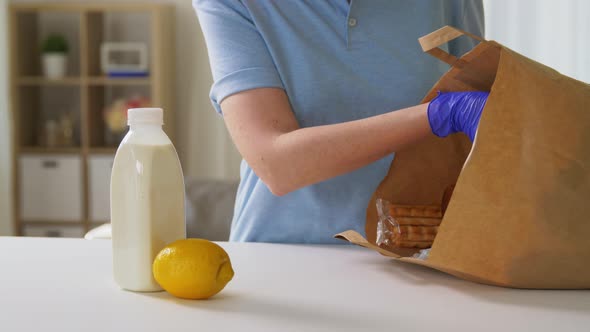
x=53 y=223
x=102 y=150
x=48 y=150
x=96 y=80
x=103 y=80
x=64 y=150
x=42 y=81
x=85 y=7
x=84 y=94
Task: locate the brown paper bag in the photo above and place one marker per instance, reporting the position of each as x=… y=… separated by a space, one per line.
x=520 y=212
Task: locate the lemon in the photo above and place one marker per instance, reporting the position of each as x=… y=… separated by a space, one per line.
x=192 y=268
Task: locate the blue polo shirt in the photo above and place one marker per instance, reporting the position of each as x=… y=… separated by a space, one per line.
x=337 y=61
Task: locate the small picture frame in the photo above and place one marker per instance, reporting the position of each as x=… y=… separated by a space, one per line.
x=124 y=59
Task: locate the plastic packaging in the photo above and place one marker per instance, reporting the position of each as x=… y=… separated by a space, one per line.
x=402 y=226
x=422 y=254
x=147 y=199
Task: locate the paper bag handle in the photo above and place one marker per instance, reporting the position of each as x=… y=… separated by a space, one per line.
x=431 y=42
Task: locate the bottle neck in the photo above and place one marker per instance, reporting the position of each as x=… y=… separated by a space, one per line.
x=145 y=126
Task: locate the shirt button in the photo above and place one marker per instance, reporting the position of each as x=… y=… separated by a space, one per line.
x=352 y=22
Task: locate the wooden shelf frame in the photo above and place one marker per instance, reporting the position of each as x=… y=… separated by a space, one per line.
x=25 y=79
x=42 y=81
x=83 y=81
x=115 y=81
x=51 y=151
x=102 y=150
x=51 y=223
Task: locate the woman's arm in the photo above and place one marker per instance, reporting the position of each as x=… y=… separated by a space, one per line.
x=287 y=157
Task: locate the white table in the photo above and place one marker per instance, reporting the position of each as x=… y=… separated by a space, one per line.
x=66 y=285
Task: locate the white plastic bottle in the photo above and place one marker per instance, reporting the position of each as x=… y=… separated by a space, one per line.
x=147 y=199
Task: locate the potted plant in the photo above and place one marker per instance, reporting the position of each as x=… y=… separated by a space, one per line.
x=54 y=58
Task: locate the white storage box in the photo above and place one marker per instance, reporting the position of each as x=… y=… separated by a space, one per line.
x=51 y=188
x=53 y=231
x=100 y=167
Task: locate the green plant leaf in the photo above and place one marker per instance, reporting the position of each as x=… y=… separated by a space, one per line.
x=55 y=44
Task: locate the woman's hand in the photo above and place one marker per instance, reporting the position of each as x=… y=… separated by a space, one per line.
x=452 y=112
x=287 y=157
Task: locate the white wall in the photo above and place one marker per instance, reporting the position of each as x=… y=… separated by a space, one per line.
x=555 y=33
x=5 y=143
x=205 y=146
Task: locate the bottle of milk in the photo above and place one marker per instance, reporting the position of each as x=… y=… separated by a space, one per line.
x=147 y=199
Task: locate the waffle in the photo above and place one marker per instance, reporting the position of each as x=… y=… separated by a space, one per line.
x=420 y=211
x=410 y=236
x=408 y=226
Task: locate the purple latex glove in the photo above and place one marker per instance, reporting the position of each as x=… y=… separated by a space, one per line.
x=452 y=112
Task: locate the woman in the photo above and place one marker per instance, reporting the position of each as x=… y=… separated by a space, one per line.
x=308 y=90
